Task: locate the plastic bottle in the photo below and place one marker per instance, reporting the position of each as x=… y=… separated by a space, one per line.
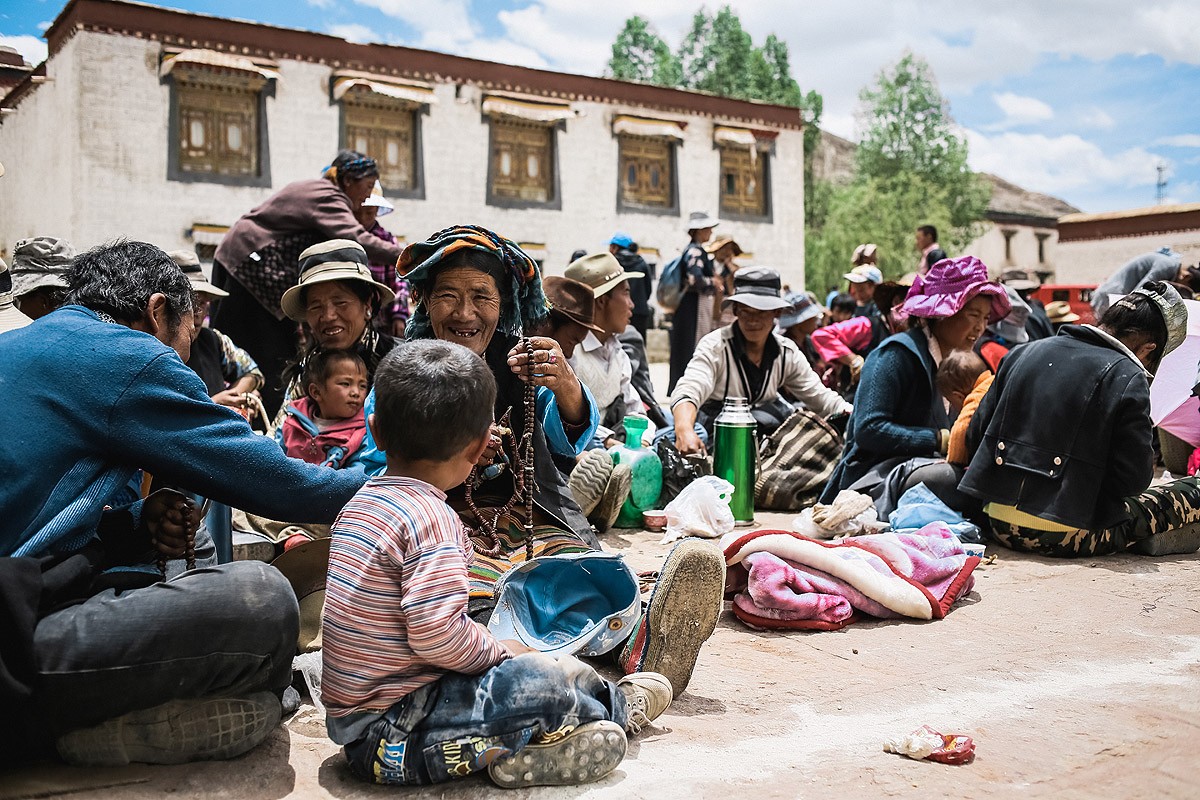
x=735 y=450
x=647 y=473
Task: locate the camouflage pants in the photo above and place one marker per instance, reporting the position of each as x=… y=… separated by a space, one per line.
x=1158 y=509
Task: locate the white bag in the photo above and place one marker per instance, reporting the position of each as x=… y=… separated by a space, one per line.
x=701 y=509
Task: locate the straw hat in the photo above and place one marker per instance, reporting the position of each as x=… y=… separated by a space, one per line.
x=190 y=264
x=1059 y=313
x=305 y=567
x=601 y=271
x=335 y=260
x=717 y=243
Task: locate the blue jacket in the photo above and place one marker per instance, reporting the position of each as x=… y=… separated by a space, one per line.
x=94 y=401
x=897 y=410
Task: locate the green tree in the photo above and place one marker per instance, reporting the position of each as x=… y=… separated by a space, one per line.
x=771 y=74
x=639 y=54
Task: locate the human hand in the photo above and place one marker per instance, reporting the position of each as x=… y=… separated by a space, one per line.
x=516 y=648
x=688 y=443
x=548 y=367
x=494 y=447
x=230 y=399
x=171 y=519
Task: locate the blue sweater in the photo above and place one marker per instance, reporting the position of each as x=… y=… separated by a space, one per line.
x=90 y=402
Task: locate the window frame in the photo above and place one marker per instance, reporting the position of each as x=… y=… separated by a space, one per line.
x=418 y=111
x=763 y=156
x=554 y=202
x=626 y=207
x=175 y=170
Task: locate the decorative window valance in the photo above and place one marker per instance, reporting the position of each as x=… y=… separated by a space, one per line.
x=527 y=107
x=415 y=92
x=219 y=63
x=740 y=137
x=647 y=126
x=207 y=234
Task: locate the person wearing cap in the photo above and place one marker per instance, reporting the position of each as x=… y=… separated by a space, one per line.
x=1163 y=264
x=1005 y=335
x=392 y=317
x=861 y=286
x=39 y=274
x=624 y=249
x=1059 y=313
x=257 y=260
x=926 y=243
x=104 y=391
x=228 y=371
x=849 y=342
x=1062 y=454
x=749 y=359
x=898 y=412
x=799 y=323
x=10 y=318
x=694 y=313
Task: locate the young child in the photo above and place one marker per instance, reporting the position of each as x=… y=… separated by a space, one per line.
x=416 y=691
x=963 y=378
x=326 y=426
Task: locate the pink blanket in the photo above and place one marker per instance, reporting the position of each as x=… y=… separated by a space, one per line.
x=786 y=580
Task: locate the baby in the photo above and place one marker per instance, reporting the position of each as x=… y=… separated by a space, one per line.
x=326 y=426
x=963 y=378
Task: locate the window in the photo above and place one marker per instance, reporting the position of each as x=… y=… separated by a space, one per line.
x=522 y=162
x=743 y=182
x=1008 y=237
x=647 y=178
x=385 y=130
x=1041 y=240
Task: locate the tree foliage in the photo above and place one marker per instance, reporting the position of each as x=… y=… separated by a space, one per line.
x=640 y=54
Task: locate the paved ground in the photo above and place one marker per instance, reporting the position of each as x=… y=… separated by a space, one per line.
x=1076 y=679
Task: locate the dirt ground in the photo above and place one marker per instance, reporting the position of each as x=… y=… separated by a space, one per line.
x=1075 y=679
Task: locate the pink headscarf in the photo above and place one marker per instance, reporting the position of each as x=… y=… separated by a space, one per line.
x=952 y=283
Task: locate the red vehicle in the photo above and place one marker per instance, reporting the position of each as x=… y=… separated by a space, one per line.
x=1079 y=296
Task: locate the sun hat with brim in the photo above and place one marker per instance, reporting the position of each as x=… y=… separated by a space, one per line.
x=1021 y=280
x=952 y=283
x=305 y=567
x=335 y=260
x=1167 y=300
x=10 y=318
x=377 y=200
x=864 y=274
x=600 y=271
x=1059 y=313
x=698 y=220
x=1012 y=328
x=40 y=262
x=759 y=288
x=572 y=300
x=190 y=264
x=716 y=244
x=804 y=308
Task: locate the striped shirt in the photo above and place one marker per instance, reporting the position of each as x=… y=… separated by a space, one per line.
x=396 y=599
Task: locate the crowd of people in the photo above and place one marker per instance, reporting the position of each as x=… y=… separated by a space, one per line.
x=440 y=418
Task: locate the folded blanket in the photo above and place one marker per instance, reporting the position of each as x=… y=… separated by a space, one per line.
x=790 y=581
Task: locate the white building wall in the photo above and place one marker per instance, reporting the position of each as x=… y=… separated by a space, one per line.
x=1023 y=249
x=1091 y=261
x=99 y=133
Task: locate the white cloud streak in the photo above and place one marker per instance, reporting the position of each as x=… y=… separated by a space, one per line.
x=31 y=48
x=1019 y=110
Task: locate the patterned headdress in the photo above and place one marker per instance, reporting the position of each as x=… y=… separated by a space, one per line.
x=523 y=304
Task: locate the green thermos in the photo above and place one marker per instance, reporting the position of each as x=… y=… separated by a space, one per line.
x=736 y=449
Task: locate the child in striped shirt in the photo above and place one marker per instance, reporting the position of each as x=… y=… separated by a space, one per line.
x=416 y=691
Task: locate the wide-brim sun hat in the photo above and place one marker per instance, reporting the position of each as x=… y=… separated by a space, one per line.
x=804 y=308
x=335 y=260
x=190 y=264
x=699 y=220
x=305 y=567
x=40 y=262
x=10 y=318
x=952 y=283
x=759 y=288
x=1059 y=313
x=572 y=300
x=711 y=247
x=601 y=271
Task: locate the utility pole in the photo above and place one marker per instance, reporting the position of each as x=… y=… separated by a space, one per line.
x=1162 y=182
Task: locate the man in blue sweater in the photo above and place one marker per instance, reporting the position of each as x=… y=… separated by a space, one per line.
x=174 y=671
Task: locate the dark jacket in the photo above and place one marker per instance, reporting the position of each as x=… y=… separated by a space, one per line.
x=897 y=410
x=1064 y=433
x=639 y=288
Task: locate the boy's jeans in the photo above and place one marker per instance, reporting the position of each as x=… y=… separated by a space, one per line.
x=461 y=723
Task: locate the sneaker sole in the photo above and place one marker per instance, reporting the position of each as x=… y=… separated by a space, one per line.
x=589 y=479
x=176 y=732
x=683 y=611
x=586 y=754
x=609 y=507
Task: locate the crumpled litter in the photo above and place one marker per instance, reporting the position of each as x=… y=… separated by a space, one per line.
x=850 y=514
x=927 y=744
x=309 y=666
x=701 y=509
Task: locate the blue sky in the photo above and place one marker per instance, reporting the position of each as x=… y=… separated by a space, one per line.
x=1081 y=99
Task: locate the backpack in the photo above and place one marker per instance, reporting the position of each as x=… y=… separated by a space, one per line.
x=670 y=284
x=795 y=462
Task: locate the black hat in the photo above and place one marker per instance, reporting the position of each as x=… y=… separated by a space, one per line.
x=757 y=287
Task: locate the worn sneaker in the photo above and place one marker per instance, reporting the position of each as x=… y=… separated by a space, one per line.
x=647 y=694
x=176 y=732
x=586 y=754
x=619 y=484
x=590 y=478
x=682 y=613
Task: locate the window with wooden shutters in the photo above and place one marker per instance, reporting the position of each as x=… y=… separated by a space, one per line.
x=522 y=166
x=743 y=182
x=385 y=130
x=218 y=123
x=646 y=166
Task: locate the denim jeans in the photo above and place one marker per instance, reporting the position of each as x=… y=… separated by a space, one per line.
x=461 y=723
x=225 y=630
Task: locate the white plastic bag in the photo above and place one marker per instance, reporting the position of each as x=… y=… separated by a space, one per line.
x=701 y=509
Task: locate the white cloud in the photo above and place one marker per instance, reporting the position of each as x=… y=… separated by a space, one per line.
x=31 y=48
x=353 y=32
x=434 y=21
x=1019 y=110
x=1094 y=118
x=45 y=25
x=1181 y=140
x=1060 y=164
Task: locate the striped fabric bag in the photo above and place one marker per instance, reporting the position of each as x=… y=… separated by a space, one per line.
x=795 y=462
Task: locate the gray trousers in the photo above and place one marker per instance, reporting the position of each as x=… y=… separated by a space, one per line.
x=224 y=630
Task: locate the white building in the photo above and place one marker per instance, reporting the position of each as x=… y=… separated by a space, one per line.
x=166 y=126
x=1093 y=246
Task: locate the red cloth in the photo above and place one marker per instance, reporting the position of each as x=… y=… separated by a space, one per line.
x=334 y=447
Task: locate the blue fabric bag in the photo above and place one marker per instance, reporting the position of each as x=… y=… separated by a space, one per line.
x=919 y=506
